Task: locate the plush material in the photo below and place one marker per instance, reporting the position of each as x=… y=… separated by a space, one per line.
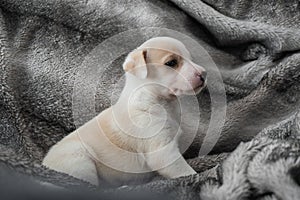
x=255 y=45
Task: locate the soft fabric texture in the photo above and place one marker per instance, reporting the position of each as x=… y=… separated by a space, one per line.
x=255 y=44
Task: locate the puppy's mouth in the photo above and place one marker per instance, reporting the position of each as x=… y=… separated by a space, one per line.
x=195 y=90
x=191 y=91
x=202 y=84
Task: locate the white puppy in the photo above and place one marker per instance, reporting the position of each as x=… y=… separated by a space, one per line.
x=138 y=135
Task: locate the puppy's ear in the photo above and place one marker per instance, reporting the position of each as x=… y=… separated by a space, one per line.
x=135 y=63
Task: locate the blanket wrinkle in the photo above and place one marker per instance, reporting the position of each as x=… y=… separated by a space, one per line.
x=277 y=39
x=255 y=45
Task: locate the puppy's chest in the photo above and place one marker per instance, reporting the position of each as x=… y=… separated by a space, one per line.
x=147 y=133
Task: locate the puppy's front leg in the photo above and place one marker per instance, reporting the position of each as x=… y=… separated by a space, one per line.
x=169 y=163
x=177 y=169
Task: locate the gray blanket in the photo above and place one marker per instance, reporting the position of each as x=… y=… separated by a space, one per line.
x=255 y=45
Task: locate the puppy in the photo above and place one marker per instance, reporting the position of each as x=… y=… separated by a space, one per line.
x=139 y=135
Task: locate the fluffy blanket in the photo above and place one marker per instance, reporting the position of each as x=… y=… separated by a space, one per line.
x=255 y=45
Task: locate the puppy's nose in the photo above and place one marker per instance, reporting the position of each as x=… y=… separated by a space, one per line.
x=202 y=75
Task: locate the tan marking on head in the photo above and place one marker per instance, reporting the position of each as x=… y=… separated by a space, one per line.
x=160 y=57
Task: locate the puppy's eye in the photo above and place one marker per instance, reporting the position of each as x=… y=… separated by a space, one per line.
x=171 y=63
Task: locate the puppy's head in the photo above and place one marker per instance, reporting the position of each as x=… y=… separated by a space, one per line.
x=165 y=65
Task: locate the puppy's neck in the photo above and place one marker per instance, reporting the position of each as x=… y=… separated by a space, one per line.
x=139 y=94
